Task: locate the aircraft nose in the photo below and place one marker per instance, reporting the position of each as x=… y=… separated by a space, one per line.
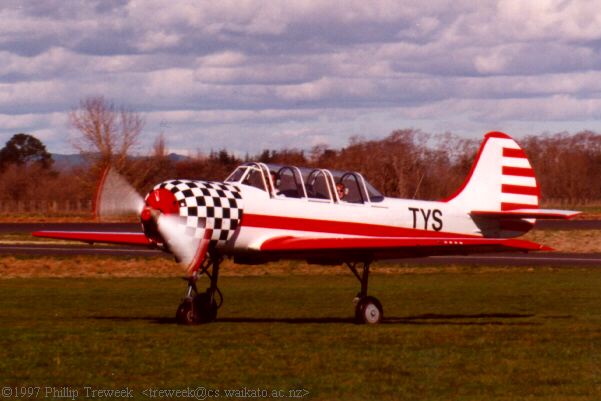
x=158 y=201
x=202 y=205
x=163 y=200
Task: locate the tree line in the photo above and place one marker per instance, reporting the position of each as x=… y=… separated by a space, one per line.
x=413 y=164
x=407 y=163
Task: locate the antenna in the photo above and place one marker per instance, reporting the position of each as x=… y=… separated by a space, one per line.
x=419 y=183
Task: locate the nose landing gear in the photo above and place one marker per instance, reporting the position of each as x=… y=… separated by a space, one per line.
x=201 y=307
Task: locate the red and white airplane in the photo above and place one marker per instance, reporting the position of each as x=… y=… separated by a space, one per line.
x=303 y=215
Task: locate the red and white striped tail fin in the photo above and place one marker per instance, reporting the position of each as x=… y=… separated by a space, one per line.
x=501 y=178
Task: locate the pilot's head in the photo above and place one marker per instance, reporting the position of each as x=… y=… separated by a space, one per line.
x=274 y=179
x=340 y=189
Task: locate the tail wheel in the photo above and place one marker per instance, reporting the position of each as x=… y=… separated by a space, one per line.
x=369 y=311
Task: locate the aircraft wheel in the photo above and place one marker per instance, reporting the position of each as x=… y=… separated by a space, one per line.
x=206 y=310
x=369 y=311
x=185 y=313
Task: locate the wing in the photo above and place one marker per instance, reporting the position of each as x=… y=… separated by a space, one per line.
x=91 y=237
x=393 y=247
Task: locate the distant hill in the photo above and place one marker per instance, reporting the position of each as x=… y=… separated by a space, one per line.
x=174 y=157
x=62 y=161
x=67 y=161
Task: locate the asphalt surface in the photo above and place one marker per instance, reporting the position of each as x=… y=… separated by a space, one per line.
x=512 y=259
x=20 y=228
x=506 y=259
x=568 y=225
x=69 y=249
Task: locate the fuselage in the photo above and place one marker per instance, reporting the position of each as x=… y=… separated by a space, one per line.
x=258 y=203
x=266 y=217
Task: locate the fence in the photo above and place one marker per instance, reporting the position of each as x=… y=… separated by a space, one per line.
x=85 y=205
x=46 y=206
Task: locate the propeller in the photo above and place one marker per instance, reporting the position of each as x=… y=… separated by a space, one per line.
x=189 y=251
x=159 y=215
x=116 y=197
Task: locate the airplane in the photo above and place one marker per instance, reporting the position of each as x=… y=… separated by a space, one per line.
x=262 y=213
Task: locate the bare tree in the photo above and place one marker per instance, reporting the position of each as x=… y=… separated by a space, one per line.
x=147 y=171
x=108 y=132
x=159 y=148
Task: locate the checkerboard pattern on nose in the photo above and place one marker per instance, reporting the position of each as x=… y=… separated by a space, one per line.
x=207 y=204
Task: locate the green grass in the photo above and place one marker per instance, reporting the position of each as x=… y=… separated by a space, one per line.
x=449 y=336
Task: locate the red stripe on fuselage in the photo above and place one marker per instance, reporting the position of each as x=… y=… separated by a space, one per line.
x=338 y=227
x=519 y=171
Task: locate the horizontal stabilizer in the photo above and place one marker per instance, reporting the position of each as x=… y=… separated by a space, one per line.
x=527 y=213
x=92 y=237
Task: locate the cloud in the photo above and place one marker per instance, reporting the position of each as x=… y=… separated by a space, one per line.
x=566 y=21
x=224 y=72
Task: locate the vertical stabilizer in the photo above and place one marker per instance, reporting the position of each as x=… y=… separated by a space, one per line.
x=501 y=178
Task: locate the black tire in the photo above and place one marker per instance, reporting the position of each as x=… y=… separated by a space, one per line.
x=369 y=311
x=206 y=309
x=186 y=314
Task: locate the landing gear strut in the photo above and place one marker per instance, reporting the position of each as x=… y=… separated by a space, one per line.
x=367 y=308
x=201 y=307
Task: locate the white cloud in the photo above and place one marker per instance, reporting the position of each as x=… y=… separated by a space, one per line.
x=223 y=59
x=157 y=41
x=552 y=19
x=224 y=72
x=495 y=61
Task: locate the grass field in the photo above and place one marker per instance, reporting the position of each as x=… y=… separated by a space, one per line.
x=524 y=334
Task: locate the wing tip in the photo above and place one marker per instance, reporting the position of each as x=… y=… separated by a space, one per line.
x=125 y=238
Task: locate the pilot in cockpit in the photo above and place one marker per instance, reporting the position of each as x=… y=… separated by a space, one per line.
x=341 y=190
x=276 y=183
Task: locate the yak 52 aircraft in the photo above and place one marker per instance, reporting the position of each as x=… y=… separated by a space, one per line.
x=263 y=213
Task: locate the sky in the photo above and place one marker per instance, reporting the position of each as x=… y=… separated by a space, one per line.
x=248 y=75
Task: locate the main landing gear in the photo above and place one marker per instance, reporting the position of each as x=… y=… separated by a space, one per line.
x=201 y=307
x=368 y=310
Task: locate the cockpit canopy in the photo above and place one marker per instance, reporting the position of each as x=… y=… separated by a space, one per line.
x=300 y=182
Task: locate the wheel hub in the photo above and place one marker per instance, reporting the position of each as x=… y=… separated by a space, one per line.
x=372 y=314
